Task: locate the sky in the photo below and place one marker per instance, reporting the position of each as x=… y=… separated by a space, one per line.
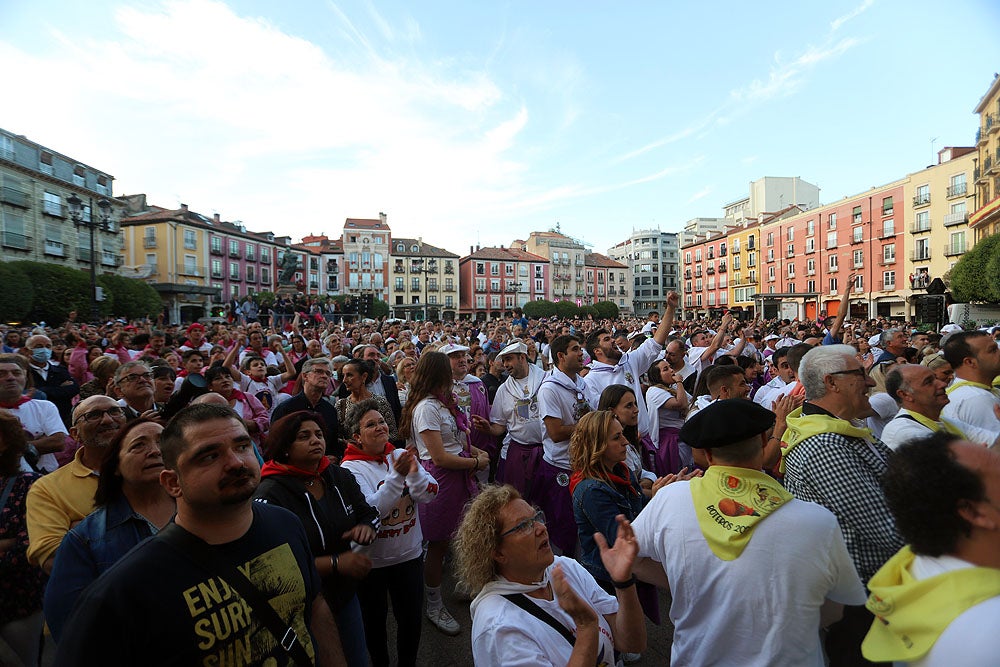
x=479 y=122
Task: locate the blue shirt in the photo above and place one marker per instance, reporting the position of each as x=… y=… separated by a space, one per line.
x=596 y=503
x=90 y=548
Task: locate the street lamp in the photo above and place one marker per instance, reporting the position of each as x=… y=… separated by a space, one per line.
x=103 y=223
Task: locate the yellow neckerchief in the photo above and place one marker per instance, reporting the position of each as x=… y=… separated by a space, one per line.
x=967 y=383
x=934 y=426
x=912 y=614
x=802 y=427
x=729 y=502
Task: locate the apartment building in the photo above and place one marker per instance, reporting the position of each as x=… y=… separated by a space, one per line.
x=706 y=277
x=493 y=281
x=35 y=184
x=330 y=253
x=424 y=281
x=606 y=280
x=653 y=259
x=566 y=255
x=366 y=253
x=744 y=268
x=985 y=220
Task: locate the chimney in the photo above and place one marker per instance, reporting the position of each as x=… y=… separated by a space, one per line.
x=184 y=208
x=382 y=217
x=217 y=219
x=471 y=250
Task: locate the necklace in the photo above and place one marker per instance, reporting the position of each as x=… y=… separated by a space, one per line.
x=310 y=482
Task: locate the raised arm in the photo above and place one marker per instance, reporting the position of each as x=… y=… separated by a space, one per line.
x=667 y=321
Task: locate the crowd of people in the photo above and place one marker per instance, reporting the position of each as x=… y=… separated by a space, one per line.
x=267 y=488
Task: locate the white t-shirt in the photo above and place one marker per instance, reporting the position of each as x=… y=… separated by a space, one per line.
x=40 y=418
x=970 y=639
x=973 y=405
x=267 y=356
x=660 y=416
x=266 y=392
x=516 y=407
x=504 y=634
x=562 y=397
x=762 y=608
x=767 y=394
x=431 y=415
x=627 y=371
x=903 y=429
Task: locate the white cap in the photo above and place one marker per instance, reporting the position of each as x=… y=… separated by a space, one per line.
x=771 y=337
x=950 y=328
x=516 y=347
x=635 y=334
x=875 y=340
x=452 y=348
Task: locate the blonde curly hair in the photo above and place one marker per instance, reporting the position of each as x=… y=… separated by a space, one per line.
x=589 y=442
x=478 y=536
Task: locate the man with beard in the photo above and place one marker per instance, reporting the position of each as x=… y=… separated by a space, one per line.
x=40 y=419
x=515 y=412
x=611 y=366
x=62 y=498
x=235 y=580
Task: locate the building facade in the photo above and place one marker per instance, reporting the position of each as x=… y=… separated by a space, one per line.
x=366 y=256
x=424 y=281
x=606 y=280
x=494 y=281
x=35 y=184
x=566 y=257
x=706 y=277
x=985 y=220
x=652 y=257
x=744 y=268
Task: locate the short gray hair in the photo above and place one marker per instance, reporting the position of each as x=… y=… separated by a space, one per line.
x=127 y=366
x=316 y=361
x=820 y=362
x=887 y=336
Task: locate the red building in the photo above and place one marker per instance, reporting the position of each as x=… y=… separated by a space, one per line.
x=606 y=280
x=494 y=281
x=706 y=276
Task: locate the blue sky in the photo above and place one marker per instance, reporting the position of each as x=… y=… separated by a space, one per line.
x=479 y=122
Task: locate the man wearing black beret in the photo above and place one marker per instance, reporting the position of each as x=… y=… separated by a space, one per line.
x=741 y=557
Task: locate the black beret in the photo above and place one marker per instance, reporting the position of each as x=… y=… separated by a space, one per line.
x=726 y=422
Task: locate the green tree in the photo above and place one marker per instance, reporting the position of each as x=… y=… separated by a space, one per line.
x=130 y=298
x=584 y=311
x=970 y=278
x=566 y=309
x=379 y=309
x=58 y=290
x=607 y=310
x=17 y=293
x=541 y=308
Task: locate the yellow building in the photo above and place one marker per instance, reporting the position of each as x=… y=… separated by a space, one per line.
x=744 y=267
x=986 y=218
x=937 y=203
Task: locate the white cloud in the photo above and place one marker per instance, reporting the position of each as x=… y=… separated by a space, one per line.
x=836 y=23
x=701 y=194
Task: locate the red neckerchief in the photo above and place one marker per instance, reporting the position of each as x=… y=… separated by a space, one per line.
x=355 y=453
x=612 y=477
x=273 y=468
x=16 y=404
x=238 y=395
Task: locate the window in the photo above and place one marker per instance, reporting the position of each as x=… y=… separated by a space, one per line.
x=791 y=270
x=480 y=284
x=856 y=216
x=790 y=288
x=833 y=285
x=810 y=268
x=922 y=249
x=414 y=284
x=480 y=269
x=234 y=271
x=45 y=163
x=250 y=274
x=250 y=255
x=399 y=284
x=790 y=251
x=923 y=195
x=859 y=259
x=811 y=228
x=790 y=234
x=449 y=283
x=538 y=285
x=857 y=234
x=51 y=203
x=265 y=275
x=831 y=221
x=697 y=255
x=770 y=238
x=265 y=255
x=888 y=254
x=190 y=239
x=922 y=221
x=888 y=280
x=216 y=268
x=752 y=259
x=234 y=291
x=833 y=263
x=956 y=244
x=831 y=240
x=887 y=206
x=810 y=245
x=770 y=255
x=449 y=301
x=888 y=228
x=509 y=269
x=687 y=258
x=957 y=187
x=736 y=262
x=810 y=286
x=234 y=248
x=215 y=243
x=494 y=285
x=770 y=273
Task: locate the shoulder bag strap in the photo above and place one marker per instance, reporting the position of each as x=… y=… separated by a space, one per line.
x=206 y=557
x=7 y=488
x=522 y=601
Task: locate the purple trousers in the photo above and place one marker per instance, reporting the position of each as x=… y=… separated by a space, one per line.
x=551 y=494
x=521 y=469
x=665 y=459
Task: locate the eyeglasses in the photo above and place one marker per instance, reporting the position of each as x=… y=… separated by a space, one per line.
x=135 y=377
x=526 y=526
x=320 y=371
x=860 y=372
x=98 y=415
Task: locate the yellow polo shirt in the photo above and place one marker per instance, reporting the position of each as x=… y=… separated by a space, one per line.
x=55 y=502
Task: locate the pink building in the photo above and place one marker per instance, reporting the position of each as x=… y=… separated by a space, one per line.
x=494 y=281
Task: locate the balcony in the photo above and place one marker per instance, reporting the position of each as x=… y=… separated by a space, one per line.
x=992 y=123
x=53 y=209
x=55 y=248
x=859 y=264
x=710 y=271
x=919 y=228
x=265 y=259
x=722 y=267
x=991 y=164
x=958 y=190
x=886 y=212
x=449 y=269
x=217 y=274
x=833 y=269
x=954 y=249
x=952 y=219
x=887 y=233
x=920 y=255
x=235 y=254
x=250 y=257
x=14 y=197
x=722 y=252
x=810 y=272
x=697 y=273
x=922 y=199
x=687 y=274
x=889 y=287
x=810 y=249
x=886 y=261
x=149 y=242
x=790 y=253
x=857 y=239
x=579 y=262
x=399 y=268
x=212 y=248
x=978 y=175
x=192 y=270
x=831 y=243
x=110 y=259
x=859 y=289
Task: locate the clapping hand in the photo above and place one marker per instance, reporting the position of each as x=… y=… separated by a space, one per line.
x=582 y=613
x=681 y=476
x=618 y=560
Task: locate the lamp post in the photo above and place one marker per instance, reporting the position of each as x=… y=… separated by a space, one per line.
x=103 y=222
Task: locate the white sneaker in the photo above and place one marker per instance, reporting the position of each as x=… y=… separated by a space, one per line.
x=443 y=620
x=629 y=658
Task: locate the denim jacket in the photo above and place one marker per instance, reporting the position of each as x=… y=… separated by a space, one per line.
x=596 y=503
x=90 y=548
